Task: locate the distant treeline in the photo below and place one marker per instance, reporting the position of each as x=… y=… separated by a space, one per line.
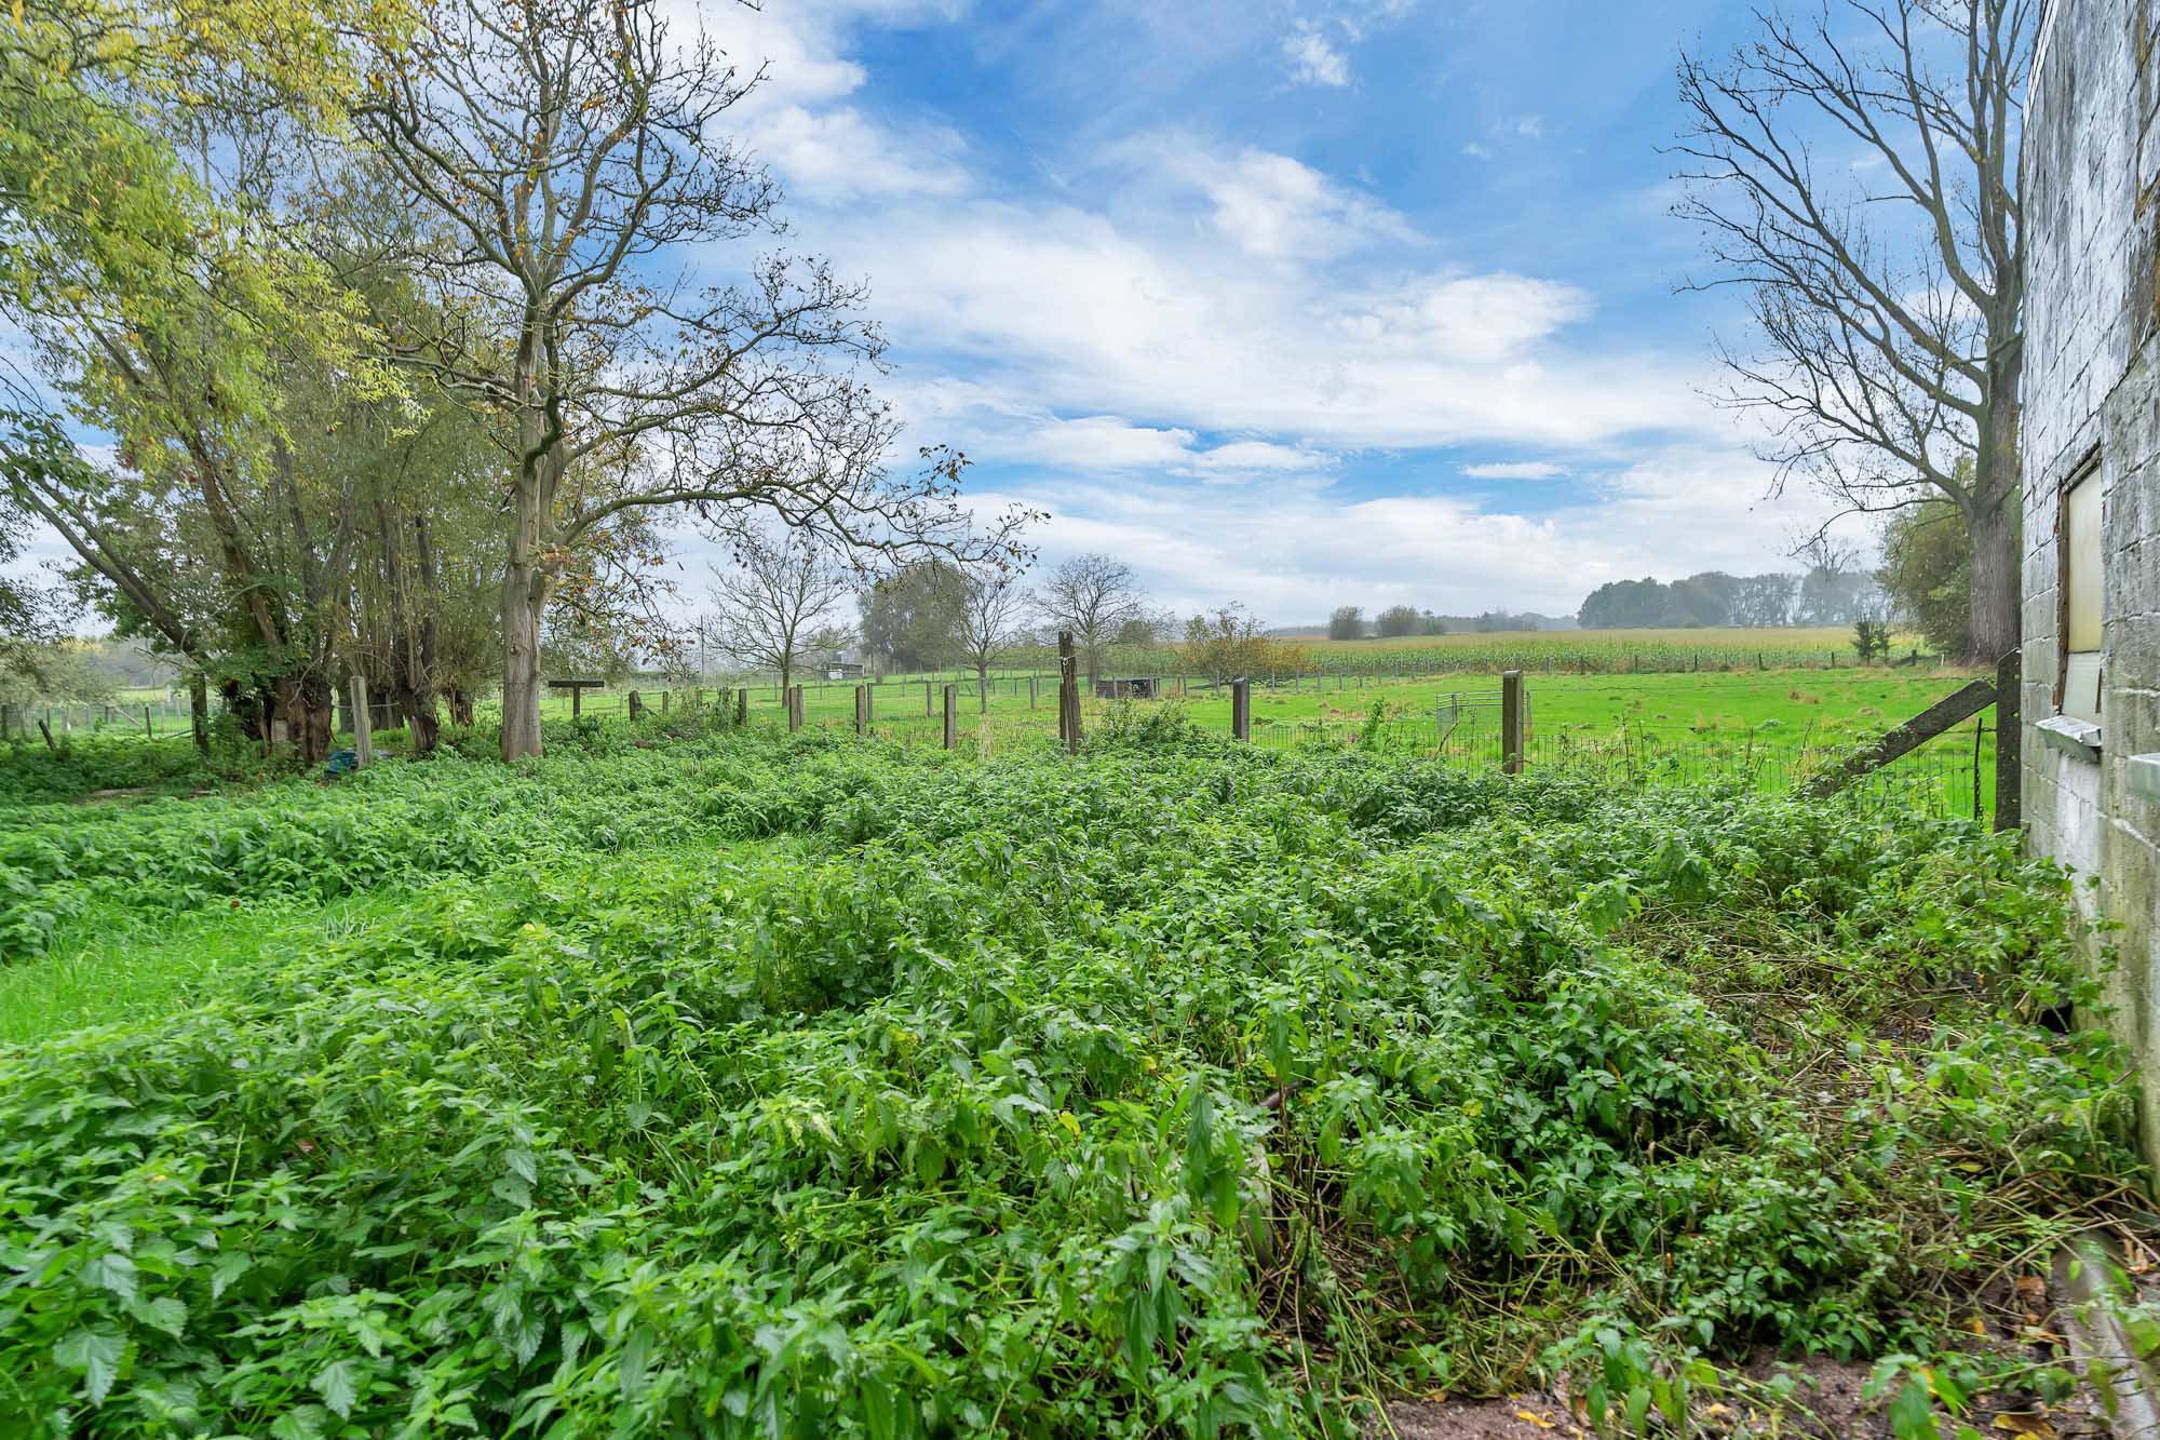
x=1403 y=621
x=1822 y=596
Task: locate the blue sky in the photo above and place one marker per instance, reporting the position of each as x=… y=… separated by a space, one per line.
x=1296 y=303
x=1300 y=303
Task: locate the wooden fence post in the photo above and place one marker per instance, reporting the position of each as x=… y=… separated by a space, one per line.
x=1031 y=692
x=928 y=706
x=1068 y=692
x=1241 y=709
x=363 y=739
x=2009 y=741
x=1511 y=721
x=742 y=706
x=951 y=729
x=637 y=705
x=794 y=707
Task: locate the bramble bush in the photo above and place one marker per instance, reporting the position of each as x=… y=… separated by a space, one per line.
x=797 y=1086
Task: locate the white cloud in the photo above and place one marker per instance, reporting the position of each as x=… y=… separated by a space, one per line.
x=801 y=119
x=1268 y=205
x=1103 y=442
x=1295 y=547
x=1178 y=348
x=1058 y=309
x=1313 y=58
x=840 y=155
x=1110 y=443
x=1478 y=152
x=1516 y=470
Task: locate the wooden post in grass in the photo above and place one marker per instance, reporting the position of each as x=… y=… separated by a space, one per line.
x=951 y=729
x=1511 y=721
x=1068 y=691
x=1071 y=690
x=637 y=705
x=1031 y=692
x=928 y=708
x=2009 y=741
x=362 y=736
x=1241 y=709
x=742 y=706
x=794 y=707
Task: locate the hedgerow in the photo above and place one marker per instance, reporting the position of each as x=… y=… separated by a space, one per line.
x=1146 y=1093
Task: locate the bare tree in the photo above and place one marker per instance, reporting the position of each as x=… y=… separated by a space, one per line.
x=1093 y=596
x=988 y=623
x=565 y=150
x=1885 y=279
x=770 y=609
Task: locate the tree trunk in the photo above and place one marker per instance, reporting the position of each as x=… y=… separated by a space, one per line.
x=461 y=707
x=1996 y=515
x=521 y=661
x=420 y=711
x=313 y=724
x=982 y=689
x=1994 y=580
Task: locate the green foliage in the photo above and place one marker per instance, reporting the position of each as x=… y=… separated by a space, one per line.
x=1180 y=1089
x=1927 y=572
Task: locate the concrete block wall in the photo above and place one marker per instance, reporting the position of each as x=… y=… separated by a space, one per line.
x=2092 y=389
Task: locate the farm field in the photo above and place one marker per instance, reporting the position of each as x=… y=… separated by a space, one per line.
x=1775 y=726
x=747 y=1084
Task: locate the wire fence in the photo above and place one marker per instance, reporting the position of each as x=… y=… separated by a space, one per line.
x=1952 y=775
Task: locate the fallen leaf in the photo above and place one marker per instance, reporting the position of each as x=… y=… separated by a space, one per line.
x=2027 y=1423
x=1535 y=1419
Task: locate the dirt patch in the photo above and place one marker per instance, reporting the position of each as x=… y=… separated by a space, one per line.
x=1511 y=1419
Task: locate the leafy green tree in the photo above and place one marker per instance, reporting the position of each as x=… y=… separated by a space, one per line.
x=157 y=294
x=913 y=618
x=1397 y=621
x=1925 y=557
x=1347 y=623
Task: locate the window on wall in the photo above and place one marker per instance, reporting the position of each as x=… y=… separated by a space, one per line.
x=2081 y=591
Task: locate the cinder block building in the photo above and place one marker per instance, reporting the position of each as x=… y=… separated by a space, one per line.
x=2091 y=455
